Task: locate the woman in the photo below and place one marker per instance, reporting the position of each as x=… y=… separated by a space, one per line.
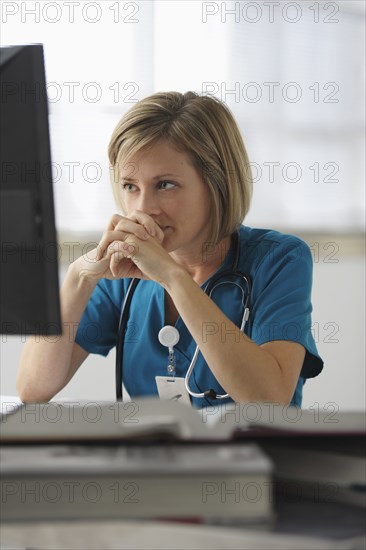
x=182 y=180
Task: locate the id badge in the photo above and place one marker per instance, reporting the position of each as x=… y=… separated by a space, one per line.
x=172 y=387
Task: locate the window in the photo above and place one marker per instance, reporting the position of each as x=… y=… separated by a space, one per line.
x=292 y=73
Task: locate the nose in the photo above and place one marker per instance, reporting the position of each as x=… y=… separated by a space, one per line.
x=148 y=202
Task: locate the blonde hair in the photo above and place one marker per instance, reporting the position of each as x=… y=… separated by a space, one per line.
x=204 y=128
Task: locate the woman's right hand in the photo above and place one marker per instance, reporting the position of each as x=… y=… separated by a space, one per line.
x=96 y=263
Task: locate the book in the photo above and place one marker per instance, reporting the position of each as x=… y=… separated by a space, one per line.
x=220 y=484
x=83 y=425
x=317 y=474
x=72 y=420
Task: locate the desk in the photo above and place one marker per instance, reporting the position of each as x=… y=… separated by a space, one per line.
x=145 y=535
x=300 y=523
x=343 y=523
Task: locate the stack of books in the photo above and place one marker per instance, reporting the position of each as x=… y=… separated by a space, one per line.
x=162 y=459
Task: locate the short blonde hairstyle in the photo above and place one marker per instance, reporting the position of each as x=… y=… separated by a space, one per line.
x=203 y=127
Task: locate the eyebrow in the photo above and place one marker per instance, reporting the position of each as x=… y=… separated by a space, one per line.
x=154 y=178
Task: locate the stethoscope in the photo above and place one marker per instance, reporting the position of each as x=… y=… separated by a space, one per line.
x=171 y=337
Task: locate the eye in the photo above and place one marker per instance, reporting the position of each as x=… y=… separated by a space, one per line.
x=129 y=187
x=166 y=184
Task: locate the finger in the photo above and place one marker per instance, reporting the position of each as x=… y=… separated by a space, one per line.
x=115 y=262
x=129 y=249
x=139 y=223
x=120 y=254
x=151 y=226
x=130 y=271
x=123 y=223
x=115 y=247
x=108 y=238
x=159 y=234
x=133 y=227
x=113 y=222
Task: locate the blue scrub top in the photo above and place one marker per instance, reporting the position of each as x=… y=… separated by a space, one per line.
x=280 y=268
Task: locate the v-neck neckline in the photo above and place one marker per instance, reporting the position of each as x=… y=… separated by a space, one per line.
x=204 y=284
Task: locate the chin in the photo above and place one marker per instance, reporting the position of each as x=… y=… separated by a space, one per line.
x=168 y=243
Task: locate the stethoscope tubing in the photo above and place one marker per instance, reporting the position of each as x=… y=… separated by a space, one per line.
x=213 y=284
x=121 y=336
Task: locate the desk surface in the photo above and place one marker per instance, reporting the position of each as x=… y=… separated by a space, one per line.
x=300 y=524
x=79 y=535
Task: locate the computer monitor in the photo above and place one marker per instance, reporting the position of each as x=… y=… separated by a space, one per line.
x=29 y=300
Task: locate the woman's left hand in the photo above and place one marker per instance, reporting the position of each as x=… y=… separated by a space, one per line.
x=148 y=255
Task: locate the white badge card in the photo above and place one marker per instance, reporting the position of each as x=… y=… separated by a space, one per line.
x=172 y=387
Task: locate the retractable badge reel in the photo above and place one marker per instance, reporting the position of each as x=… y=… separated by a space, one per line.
x=169 y=337
x=171 y=387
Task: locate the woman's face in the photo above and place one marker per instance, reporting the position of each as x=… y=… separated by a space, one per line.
x=163 y=183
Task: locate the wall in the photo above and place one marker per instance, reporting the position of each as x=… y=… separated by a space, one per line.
x=338 y=325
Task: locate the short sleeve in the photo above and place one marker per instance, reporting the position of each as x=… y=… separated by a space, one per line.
x=281 y=306
x=99 y=324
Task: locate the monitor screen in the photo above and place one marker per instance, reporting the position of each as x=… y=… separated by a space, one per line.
x=29 y=300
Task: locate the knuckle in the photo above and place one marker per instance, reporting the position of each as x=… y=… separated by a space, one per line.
x=113 y=220
x=119 y=226
x=137 y=215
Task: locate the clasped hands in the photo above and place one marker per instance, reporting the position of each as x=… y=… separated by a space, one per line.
x=132 y=246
